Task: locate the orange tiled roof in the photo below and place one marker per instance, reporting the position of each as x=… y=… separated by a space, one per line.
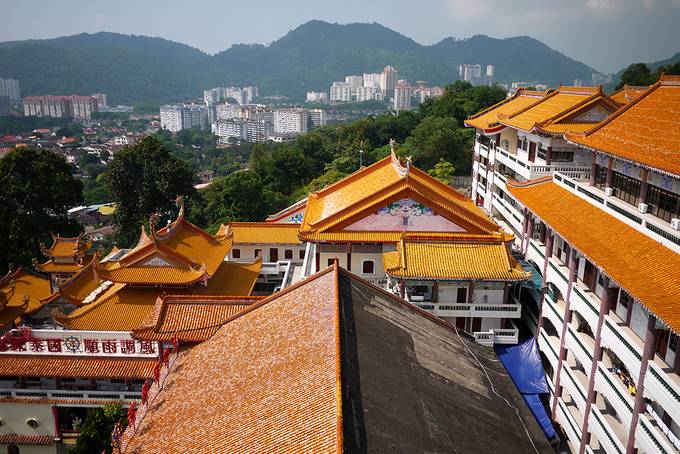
x=153 y=275
x=645 y=131
x=644 y=268
x=565 y=101
x=16 y=365
x=193 y=318
x=297 y=206
x=264 y=232
x=51 y=267
x=628 y=94
x=487 y=119
x=274 y=374
x=66 y=247
x=489 y=261
x=124 y=307
x=370 y=188
x=21 y=292
x=80 y=285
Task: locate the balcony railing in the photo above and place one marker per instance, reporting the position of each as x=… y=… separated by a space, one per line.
x=444 y=309
x=498 y=336
x=71 y=394
x=530 y=171
x=604 y=432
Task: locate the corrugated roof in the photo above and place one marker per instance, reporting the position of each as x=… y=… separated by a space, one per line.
x=12 y=365
x=644 y=268
x=645 y=131
x=455 y=261
x=264 y=232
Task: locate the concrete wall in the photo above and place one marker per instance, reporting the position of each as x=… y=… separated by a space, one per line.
x=14 y=417
x=248 y=251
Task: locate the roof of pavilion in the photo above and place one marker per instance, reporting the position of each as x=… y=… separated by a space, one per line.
x=644 y=268
x=371 y=188
x=190 y=318
x=567 y=109
x=487 y=119
x=644 y=132
x=476 y=260
x=264 y=232
x=66 y=247
x=66 y=255
x=628 y=94
x=32 y=365
x=286 y=215
x=21 y=291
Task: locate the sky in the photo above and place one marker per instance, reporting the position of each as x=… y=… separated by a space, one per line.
x=605 y=34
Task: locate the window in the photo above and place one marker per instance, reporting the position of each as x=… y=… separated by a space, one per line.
x=600 y=176
x=368 y=267
x=273 y=254
x=461 y=295
x=288 y=254
x=301 y=254
x=627 y=188
x=257 y=253
x=662 y=203
x=505 y=144
x=331 y=260
x=236 y=253
x=561 y=156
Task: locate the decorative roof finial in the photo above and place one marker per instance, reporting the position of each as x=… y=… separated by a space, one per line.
x=153 y=220
x=408 y=164
x=393 y=146
x=179 y=201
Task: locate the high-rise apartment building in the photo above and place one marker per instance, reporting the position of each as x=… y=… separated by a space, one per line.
x=402 y=96
x=388 y=80
x=102 y=100
x=10 y=88
x=366 y=93
x=183 y=116
x=372 y=80
x=236 y=93
x=251 y=93
x=316 y=117
x=227 y=110
x=82 y=107
x=341 y=91
x=241 y=129
x=291 y=120
x=317 y=96
x=354 y=83
x=76 y=106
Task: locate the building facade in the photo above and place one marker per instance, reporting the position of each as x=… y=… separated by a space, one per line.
x=388 y=80
x=11 y=89
x=79 y=107
x=317 y=96
x=366 y=93
x=402 y=96
x=291 y=121
x=174 y=118
x=598 y=219
x=341 y=91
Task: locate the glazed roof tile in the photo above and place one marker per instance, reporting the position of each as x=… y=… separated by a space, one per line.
x=628 y=94
x=264 y=232
x=21 y=292
x=15 y=365
x=487 y=120
x=645 y=131
x=26 y=439
x=456 y=261
x=272 y=378
x=644 y=268
x=66 y=247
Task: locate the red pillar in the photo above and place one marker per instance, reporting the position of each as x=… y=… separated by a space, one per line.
x=548 y=156
x=530 y=233
x=566 y=317
x=525 y=226
x=597 y=356
x=57 y=425
x=639 y=406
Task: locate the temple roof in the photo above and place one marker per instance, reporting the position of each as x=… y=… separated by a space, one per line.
x=312 y=366
x=51 y=266
x=286 y=215
x=78 y=286
x=371 y=188
x=475 y=260
x=192 y=318
x=30 y=365
x=67 y=247
x=21 y=292
x=628 y=94
x=264 y=232
x=644 y=268
x=123 y=307
x=487 y=119
x=643 y=132
x=561 y=111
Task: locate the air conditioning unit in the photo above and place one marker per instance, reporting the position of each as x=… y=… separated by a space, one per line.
x=675 y=224
x=609 y=192
x=642 y=208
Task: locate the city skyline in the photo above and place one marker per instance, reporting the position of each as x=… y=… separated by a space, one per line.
x=641 y=31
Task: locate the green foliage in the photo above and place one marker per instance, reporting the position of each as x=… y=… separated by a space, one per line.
x=95 y=430
x=37 y=190
x=16 y=125
x=436 y=139
x=144 y=179
x=443 y=171
x=641 y=74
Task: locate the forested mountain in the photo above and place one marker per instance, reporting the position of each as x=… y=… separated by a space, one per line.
x=139 y=68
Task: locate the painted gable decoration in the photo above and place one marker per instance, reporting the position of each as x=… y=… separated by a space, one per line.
x=156 y=261
x=405 y=215
x=595 y=115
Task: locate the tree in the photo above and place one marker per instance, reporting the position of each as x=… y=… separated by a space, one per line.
x=37 y=190
x=144 y=179
x=95 y=430
x=438 y=138
x=443 y=171
x=637 y=74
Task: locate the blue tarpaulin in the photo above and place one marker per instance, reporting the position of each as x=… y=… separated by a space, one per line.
x=523 y=363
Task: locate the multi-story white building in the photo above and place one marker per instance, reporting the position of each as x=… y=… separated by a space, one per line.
x=372 y=80
x=354 y=82
x=251 y=93
x=102 y=100
x=402 y=96
x=388 y=80
x=341 y=91
x=317 y=96
x=82 y=107
x=236 y=93
x=366 y=93
x=247 y=130
x=291 y=120
x=183 y=116
x=228 y=110
x=11 y=89
x=316 y=117
x=595 y=205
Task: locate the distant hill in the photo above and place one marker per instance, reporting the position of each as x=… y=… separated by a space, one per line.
x=139 y=68
x=653 y=66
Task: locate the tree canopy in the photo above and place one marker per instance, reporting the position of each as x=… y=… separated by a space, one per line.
x=95 y=430
x=38 y=188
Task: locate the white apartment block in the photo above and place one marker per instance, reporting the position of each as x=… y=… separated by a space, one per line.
x=317 y=96
x=354 y=82
x=227 y=110
x=341 y=91
x=388 y=80
x=79 y=107
x=366 y=93
x=402 y=96
x=372 y=80
x=82 y=107
x=174 y=118
x=237 y=93
x=251 y=93
x=316 y=117
x=248 y=130
x=291 y=120
x=11 y=89
x=598 y=219
x=102 y=100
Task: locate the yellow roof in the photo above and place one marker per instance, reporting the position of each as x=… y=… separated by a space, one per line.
x=490 y=261
x=66 y=247
x=67 y=268
x=123 y=307
x=107 y=210
x=21 y=292
x=628 y=94
x=643 y=267
x=643 y=132
x=264 y=232
x=487 y=120
x=373 y=187
x=556 y=104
